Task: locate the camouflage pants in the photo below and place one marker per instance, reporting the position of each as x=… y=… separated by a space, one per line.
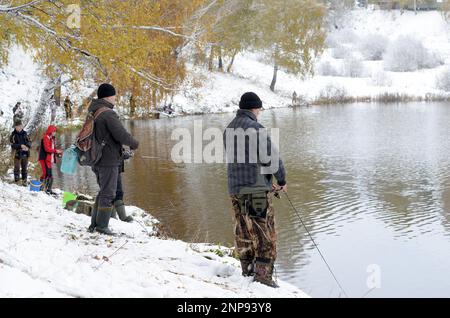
x=254 y=237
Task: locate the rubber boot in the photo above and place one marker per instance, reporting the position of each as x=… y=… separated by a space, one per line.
x=247 y=267
x=93 y=217
x=24 y=179
x=49 y=187
x=102 y=220
x=264 y=271
x=114 y=213
x=119 y=206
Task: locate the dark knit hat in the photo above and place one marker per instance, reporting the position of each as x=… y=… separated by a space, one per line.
x=106 y=90
x=18 y=122
x=250 y=101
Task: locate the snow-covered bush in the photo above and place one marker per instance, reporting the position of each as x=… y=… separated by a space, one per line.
x=340 y=52
x=380 y=78
x=373 y=46
x=333 y=93
x=327 y=69
x=342 y=36
x=353 y=67
x=443 y=80
x=407 y=54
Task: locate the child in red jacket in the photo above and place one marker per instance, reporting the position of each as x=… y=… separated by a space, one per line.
x=47 y=157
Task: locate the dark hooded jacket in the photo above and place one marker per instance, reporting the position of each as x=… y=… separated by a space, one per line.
x=109 y=129
x=18 y=139
x=245 y=174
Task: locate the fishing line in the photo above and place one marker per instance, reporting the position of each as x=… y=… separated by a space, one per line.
x=317 y=247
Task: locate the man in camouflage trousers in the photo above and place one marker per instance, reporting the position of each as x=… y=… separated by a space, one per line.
x=250 y=187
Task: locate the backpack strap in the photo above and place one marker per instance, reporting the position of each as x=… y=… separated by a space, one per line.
x=100 y=111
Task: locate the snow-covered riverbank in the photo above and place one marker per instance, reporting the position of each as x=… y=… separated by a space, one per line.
x=348 y=70
x=344 y=72
x=45 y=251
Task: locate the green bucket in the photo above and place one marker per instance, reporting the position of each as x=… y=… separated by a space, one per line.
x=68 y=196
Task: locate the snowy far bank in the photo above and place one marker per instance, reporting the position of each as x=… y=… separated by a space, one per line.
x=45 y=251
x=348 y=70
x=355 y=66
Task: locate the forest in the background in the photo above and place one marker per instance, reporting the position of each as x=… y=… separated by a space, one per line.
x=150 y=49
x=143 y=46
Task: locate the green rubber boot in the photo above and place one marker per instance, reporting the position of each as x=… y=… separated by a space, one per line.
x=120 y=208
x=102 y=220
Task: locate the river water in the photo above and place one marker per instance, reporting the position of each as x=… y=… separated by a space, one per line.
x=371 y=182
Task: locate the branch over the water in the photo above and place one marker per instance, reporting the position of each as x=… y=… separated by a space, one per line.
x=4 y=8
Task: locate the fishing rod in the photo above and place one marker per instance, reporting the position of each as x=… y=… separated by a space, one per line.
x=109 y=257
x=317 y=247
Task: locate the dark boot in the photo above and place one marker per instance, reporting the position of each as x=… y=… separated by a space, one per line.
x=102 y=220
x=120 y=208
x=49 y=186
x=114 y=213
x=247 y=267
x=93 y=217
x=264 y=271
x=24 y=179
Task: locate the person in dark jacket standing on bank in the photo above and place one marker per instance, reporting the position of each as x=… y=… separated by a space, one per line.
x=110 y=131
x=250 y=187
x=21 y=145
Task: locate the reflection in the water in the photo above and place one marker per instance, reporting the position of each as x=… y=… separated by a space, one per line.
x=371 y=182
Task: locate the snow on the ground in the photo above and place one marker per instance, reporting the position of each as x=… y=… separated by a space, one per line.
x=45 y=251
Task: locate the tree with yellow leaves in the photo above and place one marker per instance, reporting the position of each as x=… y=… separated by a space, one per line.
x=135 y=44
x=292 y=34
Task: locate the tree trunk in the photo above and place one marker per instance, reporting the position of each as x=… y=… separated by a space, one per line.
x=39 y=114
x=220 y=60
x=57 y=93
x=85 y=104
x=154 y=99
x=132 y=106
x=232 y=61
x=44 y=102
x=211 y=59
x=274 y=79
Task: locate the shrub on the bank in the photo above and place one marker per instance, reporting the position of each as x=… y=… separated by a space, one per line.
x=327 y=69
x=443 y=80
x=340 y=52
x=353 y=67
x=343 y=36
x=333 y=94
x=407 y=54
x=373 y=47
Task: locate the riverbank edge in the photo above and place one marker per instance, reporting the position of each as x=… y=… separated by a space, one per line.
x=46 y=244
